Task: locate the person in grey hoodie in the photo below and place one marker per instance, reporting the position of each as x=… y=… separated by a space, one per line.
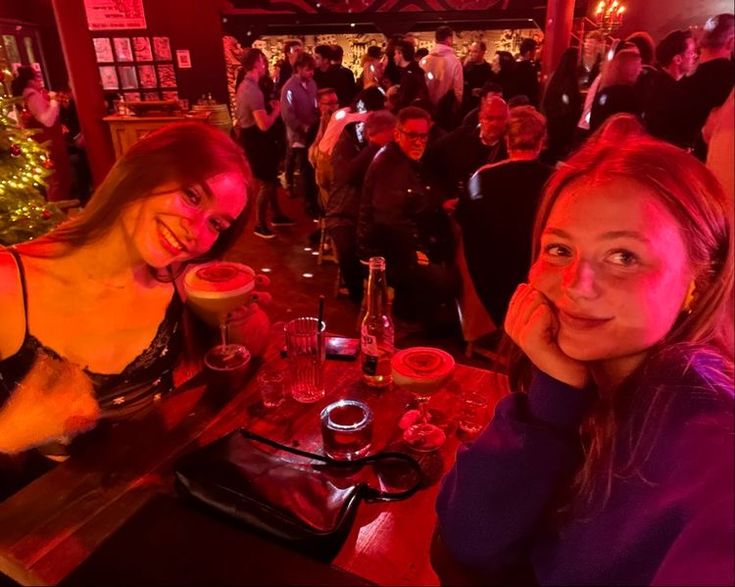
x=299 y=112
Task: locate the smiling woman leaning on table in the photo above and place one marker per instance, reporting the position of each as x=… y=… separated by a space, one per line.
x=92 y=315
x=614 y=462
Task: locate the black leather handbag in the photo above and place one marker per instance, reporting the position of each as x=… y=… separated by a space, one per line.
x=306 y=500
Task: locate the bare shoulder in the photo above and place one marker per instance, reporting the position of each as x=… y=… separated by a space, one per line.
x=12 y=314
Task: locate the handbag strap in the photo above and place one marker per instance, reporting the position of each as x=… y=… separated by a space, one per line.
x=371 y=493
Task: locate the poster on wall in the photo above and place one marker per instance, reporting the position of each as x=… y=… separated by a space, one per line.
x=166 y=76
x=128 y=79
x=103 y=50
x=147 y=76
x=123 y=49
x=106 y=15
x=142 y=49
x=183 y=58
x=108 y=76
x=11 y=49
x=162 y=48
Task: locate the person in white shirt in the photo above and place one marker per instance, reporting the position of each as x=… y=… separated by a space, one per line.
x=444 y=74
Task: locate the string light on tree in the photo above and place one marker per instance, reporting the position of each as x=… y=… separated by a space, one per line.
x=24 y=166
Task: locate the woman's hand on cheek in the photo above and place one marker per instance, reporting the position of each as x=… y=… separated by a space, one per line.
x=533 y=326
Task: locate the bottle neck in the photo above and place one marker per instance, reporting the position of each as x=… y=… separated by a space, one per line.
x=377 y=300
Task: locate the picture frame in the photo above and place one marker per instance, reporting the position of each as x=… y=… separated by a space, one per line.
x=123 y=49
x=103 y=50
x=142 y=49
x=183 y=58
x=166 y=75
x=147 y=76
x=127 y=76
x=108 y=77
x=161 y=49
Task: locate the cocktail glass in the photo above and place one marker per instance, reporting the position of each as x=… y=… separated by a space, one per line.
x=213 y=291
x=422 y=371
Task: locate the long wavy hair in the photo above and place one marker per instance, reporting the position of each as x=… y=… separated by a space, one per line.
x=696 y=200
x=180 y=154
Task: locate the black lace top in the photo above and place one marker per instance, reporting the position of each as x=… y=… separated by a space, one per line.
x=144 y=380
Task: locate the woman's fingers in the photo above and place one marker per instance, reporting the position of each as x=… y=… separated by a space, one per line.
x=262 y=280
x=262 y=298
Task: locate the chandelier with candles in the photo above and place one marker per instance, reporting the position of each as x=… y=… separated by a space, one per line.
x=608 y=15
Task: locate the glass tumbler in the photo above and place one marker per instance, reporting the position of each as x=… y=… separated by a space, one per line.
x=306 y=354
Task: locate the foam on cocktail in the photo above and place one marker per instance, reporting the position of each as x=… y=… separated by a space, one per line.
x=218 y=287
x=421 y=369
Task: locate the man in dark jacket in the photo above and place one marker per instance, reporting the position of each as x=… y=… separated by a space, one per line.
x=497 y=218
x=412 y=84
x=401 y=219
x=351 y=157
x=710 y=84
x=452 y=159
x=477 y=72
x=343 y=78
x=676 y=56
x=525 y=73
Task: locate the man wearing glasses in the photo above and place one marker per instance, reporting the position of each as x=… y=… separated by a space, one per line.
x=401 y=219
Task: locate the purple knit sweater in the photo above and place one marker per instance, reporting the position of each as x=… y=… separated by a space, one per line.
x=677 y=527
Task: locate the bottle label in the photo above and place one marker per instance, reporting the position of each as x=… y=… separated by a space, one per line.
x=369 y=345
x=369 y=364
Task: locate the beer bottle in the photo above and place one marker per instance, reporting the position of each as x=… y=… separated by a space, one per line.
x=376 y=331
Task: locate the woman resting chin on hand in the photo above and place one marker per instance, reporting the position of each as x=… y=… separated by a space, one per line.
x=613 y=463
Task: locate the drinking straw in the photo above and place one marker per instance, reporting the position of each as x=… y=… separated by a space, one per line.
x=319 y=319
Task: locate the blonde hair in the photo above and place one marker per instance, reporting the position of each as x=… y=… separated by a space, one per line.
x=695 y=199
x=526 y=128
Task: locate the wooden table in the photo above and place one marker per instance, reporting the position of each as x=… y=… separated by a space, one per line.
x=50 y=527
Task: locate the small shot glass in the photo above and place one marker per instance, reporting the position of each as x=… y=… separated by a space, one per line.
x=473 y=414
x=347 y=429
x=271 y=386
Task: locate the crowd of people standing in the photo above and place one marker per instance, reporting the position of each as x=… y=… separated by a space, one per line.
x=474 y=119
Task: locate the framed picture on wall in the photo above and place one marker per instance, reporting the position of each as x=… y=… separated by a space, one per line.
x=103 y=50
x=108 y=77
x=147 y=76
x=123 y=49
x=166 y=75
x=128 y=79
x=183 y=58
x=142 y=49
x=161 y=49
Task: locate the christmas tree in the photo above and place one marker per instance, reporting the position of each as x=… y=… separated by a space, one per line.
x=24 y=164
